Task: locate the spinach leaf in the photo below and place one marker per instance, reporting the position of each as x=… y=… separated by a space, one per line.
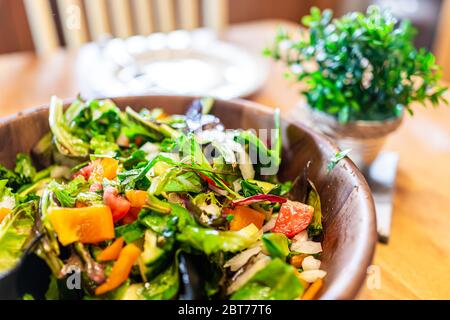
x=15 y=181
x=165 y=286
x=130 y=232
x=276 y=245
x=276 y=281
x=156 y=221
x=136 y=160
x=282 y=188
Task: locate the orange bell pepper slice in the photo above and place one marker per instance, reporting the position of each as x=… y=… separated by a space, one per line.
x=121 y=269
x=104 y=168
x=112 y=251
x=137 y=198
x=86 y=225
x=3 y=213
x=244 y=216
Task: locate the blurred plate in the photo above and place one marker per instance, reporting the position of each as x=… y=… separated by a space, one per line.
x=179 y=62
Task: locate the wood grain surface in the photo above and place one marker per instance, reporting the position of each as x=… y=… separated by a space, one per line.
x=416 y=262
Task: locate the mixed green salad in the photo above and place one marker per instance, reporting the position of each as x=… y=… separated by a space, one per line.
x=146 y=205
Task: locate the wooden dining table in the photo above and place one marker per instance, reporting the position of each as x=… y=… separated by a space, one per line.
x=415 y=264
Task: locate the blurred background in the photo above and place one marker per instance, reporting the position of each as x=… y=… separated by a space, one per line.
x=15 y=31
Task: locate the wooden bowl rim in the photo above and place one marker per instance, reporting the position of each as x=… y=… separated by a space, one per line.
x=348 y=283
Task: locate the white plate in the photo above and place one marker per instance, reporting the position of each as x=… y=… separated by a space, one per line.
x=179 y=62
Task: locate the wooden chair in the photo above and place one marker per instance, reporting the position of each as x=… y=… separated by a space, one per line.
x=442 y=42
x=85 y=20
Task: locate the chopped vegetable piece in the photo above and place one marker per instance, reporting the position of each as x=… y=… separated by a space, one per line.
x=137 y=198
x=293 y=218
x=104 y=168
x=244 y=216
x=112 y=251
x=259 y=198
x=276 y=245
x=297 y=260
x=3 y=213
x=312 y=291
x=132 y=215
x=277 y=280
x=118 y=204
x=121 y=269
x=315 y=228
x=86 y=225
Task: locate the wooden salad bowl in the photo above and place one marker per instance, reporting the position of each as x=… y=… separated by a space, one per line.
x=348 y=210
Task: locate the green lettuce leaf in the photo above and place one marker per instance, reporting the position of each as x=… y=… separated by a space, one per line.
x=24 y=167
x=276 y=245
x=277 y=281
x=212 y=241
x=15 y=230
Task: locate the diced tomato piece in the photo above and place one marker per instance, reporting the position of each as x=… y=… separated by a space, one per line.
x=293 y=218
x=85 y=171
x=96 y=186
x=131 y=216
x=119 y=205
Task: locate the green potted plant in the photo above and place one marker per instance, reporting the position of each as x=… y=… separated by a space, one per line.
x=361 y=72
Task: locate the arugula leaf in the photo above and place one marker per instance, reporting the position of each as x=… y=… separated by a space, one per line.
x=67 y=193
x=282 y=188
x=250 y=189
x=93 y=118
x=136 y=160
x=15 y=181
x=158 y=130
x=276 y=281
x=315 y=228
x=336 y=158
